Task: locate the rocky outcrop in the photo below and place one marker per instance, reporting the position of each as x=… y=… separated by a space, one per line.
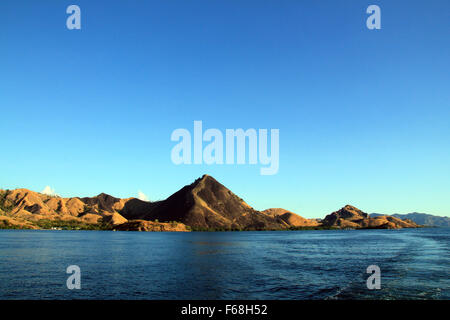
x=421 y=218
x=291 y=219
x=143 y=225
x=350 y=217
x=114 y=219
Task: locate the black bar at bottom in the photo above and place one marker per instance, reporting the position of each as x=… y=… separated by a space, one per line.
x=222 y=309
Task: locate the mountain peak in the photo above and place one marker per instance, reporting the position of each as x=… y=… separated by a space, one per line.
x=350 y=207
x=352 y=211
x=347 y=213
x=204 y=178
x=207 y=204
x=103 y=196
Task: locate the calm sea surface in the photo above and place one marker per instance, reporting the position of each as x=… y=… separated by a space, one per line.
x=415 y=264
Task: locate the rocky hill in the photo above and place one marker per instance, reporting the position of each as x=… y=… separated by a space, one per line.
x=143 y=225
x=353 y=218
x=422 y=219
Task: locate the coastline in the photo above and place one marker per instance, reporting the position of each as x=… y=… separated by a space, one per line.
x=204 y=205
x=113 y=229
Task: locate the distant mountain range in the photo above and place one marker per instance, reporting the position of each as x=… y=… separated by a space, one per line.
x=203 y=205
x=421 y=218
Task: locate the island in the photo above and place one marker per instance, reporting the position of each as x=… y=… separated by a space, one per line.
x=204 y=205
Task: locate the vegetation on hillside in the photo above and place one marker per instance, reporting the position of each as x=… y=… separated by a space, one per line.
x=5 y=224
x=199 y=229
x=5 y=205
x=70 y=225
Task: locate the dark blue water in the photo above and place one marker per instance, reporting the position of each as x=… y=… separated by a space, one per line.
x=415 y=264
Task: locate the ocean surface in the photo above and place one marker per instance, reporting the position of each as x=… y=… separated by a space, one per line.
x=414 y=264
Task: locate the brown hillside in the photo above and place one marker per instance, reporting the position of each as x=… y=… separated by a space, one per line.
x=351 y=217
x=290 y=218
x=114 y=219
x=8 y=222
x=33 y=206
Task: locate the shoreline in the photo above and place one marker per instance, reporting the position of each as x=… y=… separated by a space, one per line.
x=230 y=230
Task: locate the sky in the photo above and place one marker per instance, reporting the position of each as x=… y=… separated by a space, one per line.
x=363 y=115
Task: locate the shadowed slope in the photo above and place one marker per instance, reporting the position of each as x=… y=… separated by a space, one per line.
x=351 y=217
x=208 y=204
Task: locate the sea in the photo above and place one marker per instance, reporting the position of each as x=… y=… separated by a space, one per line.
x=279 y=265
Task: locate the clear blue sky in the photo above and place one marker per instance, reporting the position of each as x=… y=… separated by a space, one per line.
x=363 y=115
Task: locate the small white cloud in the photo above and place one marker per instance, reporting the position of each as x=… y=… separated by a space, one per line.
x=49 y=191
x=142 y=196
